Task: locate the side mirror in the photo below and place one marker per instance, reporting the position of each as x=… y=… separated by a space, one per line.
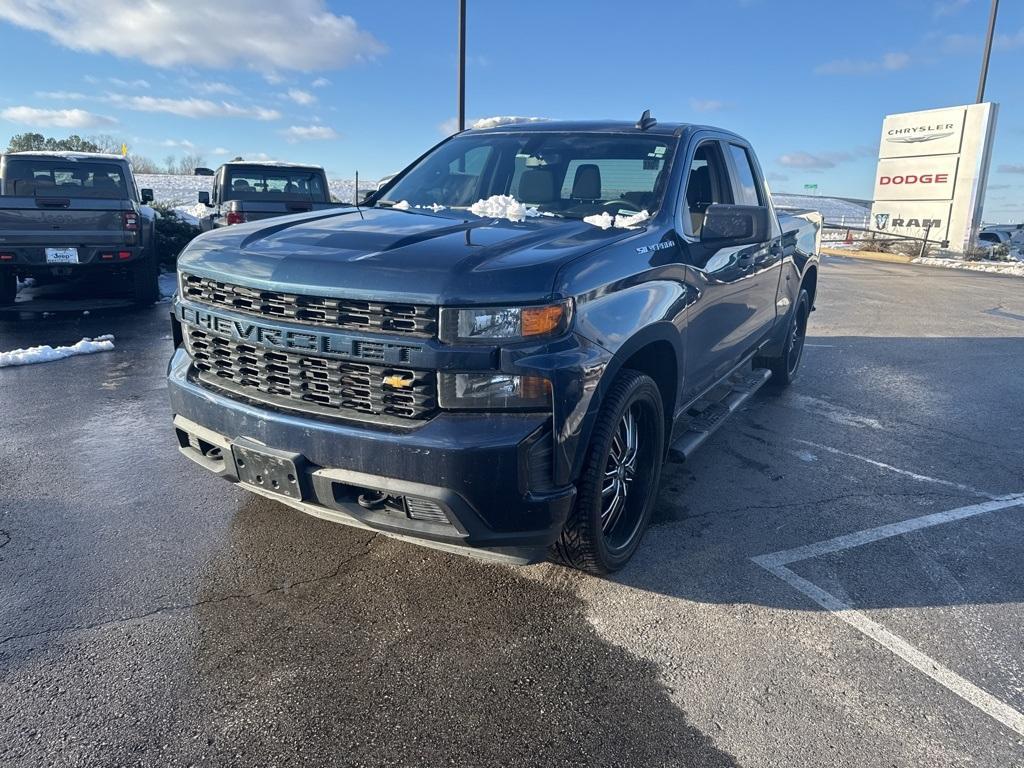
x=726 y=225
x=204 y=172
x=147 y=195
x=204 y=198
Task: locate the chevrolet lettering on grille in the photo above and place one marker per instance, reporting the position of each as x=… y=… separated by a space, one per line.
x=333 y=344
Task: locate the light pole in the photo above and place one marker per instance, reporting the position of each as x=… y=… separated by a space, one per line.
x=988 y=50
x=462 y=65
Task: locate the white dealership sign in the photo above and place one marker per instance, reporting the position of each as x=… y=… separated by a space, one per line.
x=932 y=171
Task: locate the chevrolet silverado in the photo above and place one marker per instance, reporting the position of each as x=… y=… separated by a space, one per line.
x=496 y=353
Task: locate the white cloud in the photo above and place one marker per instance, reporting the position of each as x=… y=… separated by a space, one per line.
x=265 y=35
x=183 y=143
x=61 y=95
x=1011 y=168
x=128 y=83
x=192 y=107
x=305 y=98
x=221 y=151
x=296 y=133
x=320 y=82
x=888 y=62
x=707 y=105
x=449 y=126
x=213 y=88
x=57 y=118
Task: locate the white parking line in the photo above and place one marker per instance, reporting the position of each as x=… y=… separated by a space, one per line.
x=897 y=470
x=776 y=562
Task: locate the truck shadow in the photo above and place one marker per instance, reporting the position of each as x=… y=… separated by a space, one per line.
x=404 y=655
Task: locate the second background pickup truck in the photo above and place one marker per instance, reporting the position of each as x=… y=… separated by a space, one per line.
x=245 y=191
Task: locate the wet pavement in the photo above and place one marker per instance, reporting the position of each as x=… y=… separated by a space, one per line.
x=151 y=614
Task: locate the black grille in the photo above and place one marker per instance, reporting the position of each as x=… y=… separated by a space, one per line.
x=333 y=387
x=347 y=314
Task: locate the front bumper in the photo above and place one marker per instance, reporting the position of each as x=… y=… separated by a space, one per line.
x=487 y=477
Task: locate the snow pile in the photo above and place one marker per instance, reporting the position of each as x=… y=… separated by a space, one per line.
x=605 y=220
x=502 y=207
x=46 y=354
x=168 y=285
x=497 y=120
x=992 y=267
x=402 y=205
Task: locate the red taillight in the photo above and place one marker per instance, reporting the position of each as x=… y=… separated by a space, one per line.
x=6 y=257
x=131 y=221
x=235 y=217
x=124 y=255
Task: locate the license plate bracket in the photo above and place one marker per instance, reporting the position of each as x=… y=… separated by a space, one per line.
x=271 y=470
x=61 y=255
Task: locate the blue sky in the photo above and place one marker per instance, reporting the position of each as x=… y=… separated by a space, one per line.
x=369 y=86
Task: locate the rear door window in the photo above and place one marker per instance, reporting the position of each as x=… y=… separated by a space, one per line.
x=273 y=184
x=48 y=177
x=747 y=190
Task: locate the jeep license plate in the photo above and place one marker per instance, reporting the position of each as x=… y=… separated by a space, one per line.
x=269 y=470
x=61 y=255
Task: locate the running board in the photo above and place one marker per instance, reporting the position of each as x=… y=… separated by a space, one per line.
x=704 y=421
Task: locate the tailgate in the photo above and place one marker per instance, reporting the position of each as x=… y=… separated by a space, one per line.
x=63 y=221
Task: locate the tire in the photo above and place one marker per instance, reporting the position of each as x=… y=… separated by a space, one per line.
x=604 y=528
x=8 y=287
x=145 y=281
x=785 y=367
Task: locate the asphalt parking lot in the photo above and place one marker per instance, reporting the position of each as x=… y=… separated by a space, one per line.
x=833 y=580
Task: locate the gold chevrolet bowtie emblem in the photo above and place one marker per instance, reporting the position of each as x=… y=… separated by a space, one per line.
x=397 y=381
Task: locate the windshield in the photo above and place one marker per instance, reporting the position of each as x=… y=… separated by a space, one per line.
x=565 y=174
x=48 y=177
x=274 y=184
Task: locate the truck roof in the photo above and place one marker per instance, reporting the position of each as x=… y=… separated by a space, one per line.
x=63 y=155
x=274 y=164
x=590 y=126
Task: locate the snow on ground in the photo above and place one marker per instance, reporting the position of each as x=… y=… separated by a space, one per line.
x=833 y=209
x=168 y=285
x=502 y=207
x=182 y=192
x=46 y=353
x=993 y=267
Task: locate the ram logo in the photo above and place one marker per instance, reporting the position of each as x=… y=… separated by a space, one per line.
x=881 y=219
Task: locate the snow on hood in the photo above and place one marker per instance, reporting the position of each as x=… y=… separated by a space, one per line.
x=46 y=353
x=503 y=207
x=605 y=220
x=498 y=120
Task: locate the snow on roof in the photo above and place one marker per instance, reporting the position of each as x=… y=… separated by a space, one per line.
x=274 y=163
x=70 y=155
x=494 y=122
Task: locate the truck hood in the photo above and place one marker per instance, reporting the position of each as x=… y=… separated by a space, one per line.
x=386 y=254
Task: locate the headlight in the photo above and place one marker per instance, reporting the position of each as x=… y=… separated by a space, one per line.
x=493 y=391
x=488 y=324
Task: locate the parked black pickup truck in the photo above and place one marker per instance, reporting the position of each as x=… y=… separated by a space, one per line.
x=498 y=351
x=252 y=191
x=65 y=212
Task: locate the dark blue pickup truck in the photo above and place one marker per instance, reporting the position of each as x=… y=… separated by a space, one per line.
x=498 y=351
